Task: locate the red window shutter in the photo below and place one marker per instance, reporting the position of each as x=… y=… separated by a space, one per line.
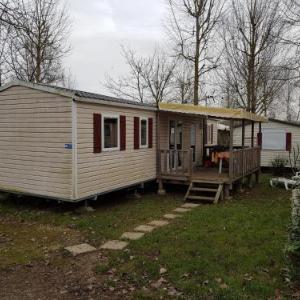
x=150 y=132
x=259 y=139
x=122 y=133
x=97 y=133
x=288 y=141
x=136 y=132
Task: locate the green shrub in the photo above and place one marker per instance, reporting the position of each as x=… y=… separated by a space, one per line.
x=278 y=165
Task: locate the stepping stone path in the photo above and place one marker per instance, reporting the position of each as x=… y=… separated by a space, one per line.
x=114 y=245
x=182 y=210
x=80 y=249
x=190 y=205
x=171 y=216
x=138 y=233
x=144 y=228
x=158 y=223
x=132 y=235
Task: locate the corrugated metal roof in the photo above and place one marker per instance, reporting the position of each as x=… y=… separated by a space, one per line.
x=214 y=112
x=83 y=94
x=73 y=93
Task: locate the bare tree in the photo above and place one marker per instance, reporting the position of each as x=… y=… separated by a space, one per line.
x=183 y=83
x=191 y=28
x=11 y=13
x=5 y=31
x=293 y=16
x=148 y=78
x=257 y=59
x=68 y=80
x=38 y=42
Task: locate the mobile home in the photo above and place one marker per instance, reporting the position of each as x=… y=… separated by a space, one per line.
x=73 y=145
x=277 y=139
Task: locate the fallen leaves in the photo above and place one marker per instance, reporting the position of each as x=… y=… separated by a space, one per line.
x=158 y=283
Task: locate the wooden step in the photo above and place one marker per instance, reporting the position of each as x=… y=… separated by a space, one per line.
x=201 y=198
x=197 y=189
x=206 y=182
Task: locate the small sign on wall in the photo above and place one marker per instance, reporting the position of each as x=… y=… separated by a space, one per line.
x=69 y=146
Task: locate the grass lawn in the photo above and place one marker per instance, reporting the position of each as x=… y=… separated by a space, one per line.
x=233 y=250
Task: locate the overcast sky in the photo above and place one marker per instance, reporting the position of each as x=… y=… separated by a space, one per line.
x=100 y=27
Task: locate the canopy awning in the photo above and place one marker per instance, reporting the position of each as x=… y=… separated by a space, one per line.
x=213 y=112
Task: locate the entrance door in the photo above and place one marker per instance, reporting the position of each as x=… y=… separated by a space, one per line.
x=175 y=141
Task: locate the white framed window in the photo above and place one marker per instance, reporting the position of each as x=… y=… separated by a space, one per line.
x=273 y=139
x=144 y=132
x=110 y=132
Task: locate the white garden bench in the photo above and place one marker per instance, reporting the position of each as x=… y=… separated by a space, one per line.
x=288 y=183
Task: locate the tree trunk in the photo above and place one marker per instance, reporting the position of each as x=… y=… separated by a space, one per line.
x=197 y=58
x=38 y=65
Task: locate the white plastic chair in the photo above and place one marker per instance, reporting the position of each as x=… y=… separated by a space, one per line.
x=288 y=183
x=296 y=177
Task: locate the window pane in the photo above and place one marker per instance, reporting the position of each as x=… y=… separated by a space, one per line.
x=179 y=135
x=110 y=132
x=193 y=135
x=172 y=134
x=144 y=132
x=273 y=139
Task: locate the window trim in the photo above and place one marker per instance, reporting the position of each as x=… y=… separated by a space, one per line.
x=110 y=116
x=147 y=129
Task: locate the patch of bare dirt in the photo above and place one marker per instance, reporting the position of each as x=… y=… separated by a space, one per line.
x=63 y=278
x=49 y=272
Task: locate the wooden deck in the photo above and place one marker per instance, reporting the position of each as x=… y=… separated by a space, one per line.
x=210 y=175
x=177 y=165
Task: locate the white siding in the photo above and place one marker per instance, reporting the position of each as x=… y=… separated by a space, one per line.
x=34 y=127
x=106 y=171
x=268 y=155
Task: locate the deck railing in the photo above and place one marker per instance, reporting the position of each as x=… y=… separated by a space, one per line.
x=175 y=162
x=179 y=163
x=244 y=162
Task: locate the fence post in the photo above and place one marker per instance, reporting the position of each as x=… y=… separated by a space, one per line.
x=293 y=248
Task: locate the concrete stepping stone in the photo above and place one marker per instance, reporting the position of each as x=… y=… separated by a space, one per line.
x=158 y=223
x=144 y=228
x=190 y=205
x=182 y=210
x=114 y=245
x=80 y=249
x=171 y=216
x=132 y=235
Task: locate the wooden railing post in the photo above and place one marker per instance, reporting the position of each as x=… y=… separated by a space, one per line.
x=159 y=171
x=165 y=161
x=231 y=151
x=176 y=162
x=190 y=156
